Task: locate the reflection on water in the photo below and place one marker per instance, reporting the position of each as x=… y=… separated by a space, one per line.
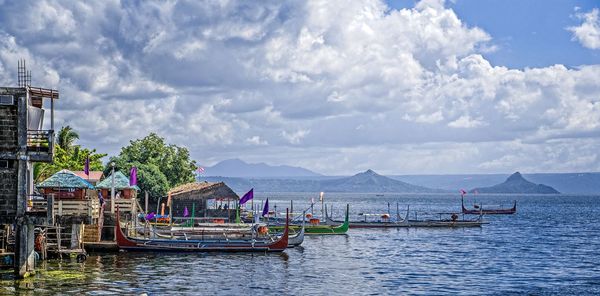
x=550 y=246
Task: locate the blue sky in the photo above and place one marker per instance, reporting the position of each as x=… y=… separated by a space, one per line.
x=400 y=87
x=528 y=33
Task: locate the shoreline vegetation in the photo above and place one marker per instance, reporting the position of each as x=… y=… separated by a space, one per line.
x=160 y=166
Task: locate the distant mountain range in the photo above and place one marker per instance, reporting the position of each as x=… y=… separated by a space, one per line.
x=566 y=183
x=239 y=168
x=517 y=184
x=297 y=179
x=368 y=181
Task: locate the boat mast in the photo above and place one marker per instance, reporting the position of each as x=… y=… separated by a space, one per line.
x=321 y=198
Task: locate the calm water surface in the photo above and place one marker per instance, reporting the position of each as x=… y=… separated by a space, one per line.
x=551 y=246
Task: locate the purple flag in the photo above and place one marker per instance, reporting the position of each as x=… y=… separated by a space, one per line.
x=86 y=167
x=150 y=216
x=133 y=176
x=266 y=208
x=185 y=212
x=248 y=196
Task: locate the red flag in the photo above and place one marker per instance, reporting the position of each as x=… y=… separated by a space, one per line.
x=462 y=192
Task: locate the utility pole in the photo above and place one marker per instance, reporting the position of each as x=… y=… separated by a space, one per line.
x=112 y=188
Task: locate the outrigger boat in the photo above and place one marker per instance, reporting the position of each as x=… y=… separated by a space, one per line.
x=479 y=210
x=322 y=229
x=213 y=233
x=126 y=242
x=298 y=239
x=405 y=222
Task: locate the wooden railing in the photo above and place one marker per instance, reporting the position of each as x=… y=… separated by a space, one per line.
x=86 y=207
x=125 y=205
x=89 y=207
x=40 y=140
x=37 y=206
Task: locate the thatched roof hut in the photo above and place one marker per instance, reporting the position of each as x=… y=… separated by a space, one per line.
x=203 y=190
x=198 y=194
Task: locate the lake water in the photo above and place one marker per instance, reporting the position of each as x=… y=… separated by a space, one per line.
x=551 y=246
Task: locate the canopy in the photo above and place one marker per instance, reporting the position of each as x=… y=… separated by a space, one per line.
x=121 y=182
x=65 y=179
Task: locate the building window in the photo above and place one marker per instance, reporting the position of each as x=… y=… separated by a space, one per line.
x=6 y=164
x=7 y=100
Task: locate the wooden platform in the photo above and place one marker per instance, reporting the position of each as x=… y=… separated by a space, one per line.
x=101 y=247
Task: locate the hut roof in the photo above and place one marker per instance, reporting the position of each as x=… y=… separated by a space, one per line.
x=121 y=182
x=94 y=176
x=65 y=179
x=203 y=190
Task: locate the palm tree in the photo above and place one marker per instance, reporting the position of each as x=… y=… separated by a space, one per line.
x=66 y=138
x=67 y=155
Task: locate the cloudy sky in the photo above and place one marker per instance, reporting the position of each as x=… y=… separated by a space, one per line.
x=401 y=87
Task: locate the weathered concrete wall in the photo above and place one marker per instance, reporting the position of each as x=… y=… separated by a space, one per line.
x=8 y=152
x=8 y=194
x=8 y=128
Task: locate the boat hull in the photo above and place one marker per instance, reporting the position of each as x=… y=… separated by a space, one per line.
x=181 y=245
x=296 y=240
x=407 y=223
x=489 y=211
x=415 y=224
x=322 y=229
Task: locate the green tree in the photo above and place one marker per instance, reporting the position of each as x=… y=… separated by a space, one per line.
x=68 y=156
x=160 y=166
x=66 y=137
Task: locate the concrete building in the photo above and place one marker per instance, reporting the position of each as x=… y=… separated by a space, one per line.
x=26 y=137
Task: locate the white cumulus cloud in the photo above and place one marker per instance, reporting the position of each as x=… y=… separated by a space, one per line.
x=335 y=86
x=588 y=33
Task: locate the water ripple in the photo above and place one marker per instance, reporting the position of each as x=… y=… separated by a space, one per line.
x=549 y=247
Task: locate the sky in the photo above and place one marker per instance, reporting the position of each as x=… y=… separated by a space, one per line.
x=337 y=87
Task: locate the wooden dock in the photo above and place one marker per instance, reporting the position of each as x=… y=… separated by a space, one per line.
x=101 y=247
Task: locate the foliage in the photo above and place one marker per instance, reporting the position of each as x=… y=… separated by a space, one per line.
x=68 y=156
x=66 y=137
x=160 y=166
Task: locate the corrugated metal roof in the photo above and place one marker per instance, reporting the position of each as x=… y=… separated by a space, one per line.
x=94 y=175
x=65 y=179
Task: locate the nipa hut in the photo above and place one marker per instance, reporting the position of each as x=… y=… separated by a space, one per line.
x=208 y=199
x=65 y=185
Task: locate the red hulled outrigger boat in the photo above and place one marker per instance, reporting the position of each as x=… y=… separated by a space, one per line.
x=181 y=245
x=483 y=211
